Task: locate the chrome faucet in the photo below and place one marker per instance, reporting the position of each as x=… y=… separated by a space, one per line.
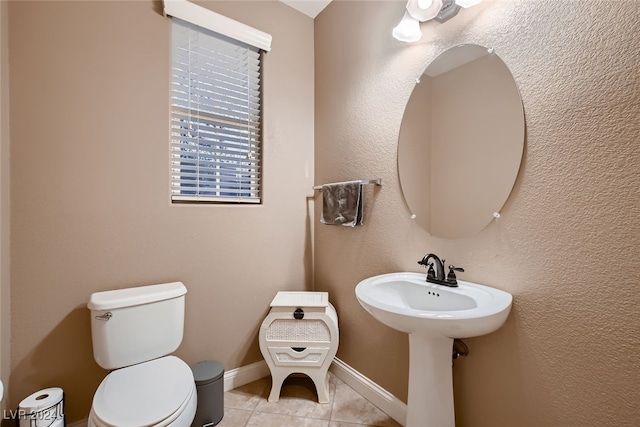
x=437 y=276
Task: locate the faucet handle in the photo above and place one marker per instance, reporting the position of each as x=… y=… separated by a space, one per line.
x=429 y=266
x=431 y=274
x=451 y=277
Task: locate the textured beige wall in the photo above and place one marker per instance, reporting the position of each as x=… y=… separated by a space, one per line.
x=567 y=244
x=5 y=307
x=90 y=188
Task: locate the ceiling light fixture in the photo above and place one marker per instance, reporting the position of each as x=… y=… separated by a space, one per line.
x=408 y=30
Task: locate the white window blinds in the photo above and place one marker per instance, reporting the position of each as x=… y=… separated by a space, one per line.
x=215 y=117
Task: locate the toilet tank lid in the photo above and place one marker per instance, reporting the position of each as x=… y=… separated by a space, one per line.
x=109 y=300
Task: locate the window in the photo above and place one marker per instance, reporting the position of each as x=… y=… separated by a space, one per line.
x=215 y=117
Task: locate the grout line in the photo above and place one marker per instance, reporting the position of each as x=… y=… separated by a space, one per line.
x=333 y=399
x=371 y=391
x=341 y=373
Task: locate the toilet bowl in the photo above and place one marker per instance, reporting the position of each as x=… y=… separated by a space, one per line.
x=158 y=393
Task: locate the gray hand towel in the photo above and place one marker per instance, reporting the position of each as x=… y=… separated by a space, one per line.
x=342 y=204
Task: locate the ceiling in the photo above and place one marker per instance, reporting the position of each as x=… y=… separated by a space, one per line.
x=309 y=7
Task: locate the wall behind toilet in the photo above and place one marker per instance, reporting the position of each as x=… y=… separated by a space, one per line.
x=567 y=245
x=90 y=188
x=5 y=306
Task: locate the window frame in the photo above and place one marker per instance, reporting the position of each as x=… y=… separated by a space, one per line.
x=216 y=118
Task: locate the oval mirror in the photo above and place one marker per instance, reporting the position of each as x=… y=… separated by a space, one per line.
x=461 y=142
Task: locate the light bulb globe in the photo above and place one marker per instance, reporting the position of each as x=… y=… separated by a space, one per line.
x=408 y=30
x=415 y=9
x=467 y=3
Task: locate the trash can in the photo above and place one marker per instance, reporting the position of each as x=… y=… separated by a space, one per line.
x=208 y=376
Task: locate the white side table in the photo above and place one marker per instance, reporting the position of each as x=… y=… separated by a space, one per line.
x=300 y=335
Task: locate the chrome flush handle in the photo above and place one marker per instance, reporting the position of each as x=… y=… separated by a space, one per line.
x=105 y=316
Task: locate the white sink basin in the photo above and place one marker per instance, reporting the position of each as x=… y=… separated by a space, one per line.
x=433 y=315
x=408 y=303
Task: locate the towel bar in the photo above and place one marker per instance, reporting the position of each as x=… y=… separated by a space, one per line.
x=361 y=181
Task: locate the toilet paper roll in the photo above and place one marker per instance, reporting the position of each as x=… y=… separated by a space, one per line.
x=57 y=423
x=44 y=408
x=42 y=399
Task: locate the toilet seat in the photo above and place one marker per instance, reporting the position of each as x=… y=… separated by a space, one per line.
x=153 y=393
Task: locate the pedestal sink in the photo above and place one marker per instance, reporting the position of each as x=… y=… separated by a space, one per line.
x=433 y=315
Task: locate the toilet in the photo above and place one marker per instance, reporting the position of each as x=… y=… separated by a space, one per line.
x=134 y=330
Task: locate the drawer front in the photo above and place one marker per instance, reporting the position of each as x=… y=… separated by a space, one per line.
x=287 y=356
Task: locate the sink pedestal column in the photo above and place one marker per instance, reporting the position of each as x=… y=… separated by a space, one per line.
x=430 y=401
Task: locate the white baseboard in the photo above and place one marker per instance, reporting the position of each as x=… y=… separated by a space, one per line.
x=385 y=401
x=245 y=375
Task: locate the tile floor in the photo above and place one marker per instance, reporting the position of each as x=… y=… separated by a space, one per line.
x=247 y=406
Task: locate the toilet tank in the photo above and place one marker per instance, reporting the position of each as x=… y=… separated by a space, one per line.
x=134 y=325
